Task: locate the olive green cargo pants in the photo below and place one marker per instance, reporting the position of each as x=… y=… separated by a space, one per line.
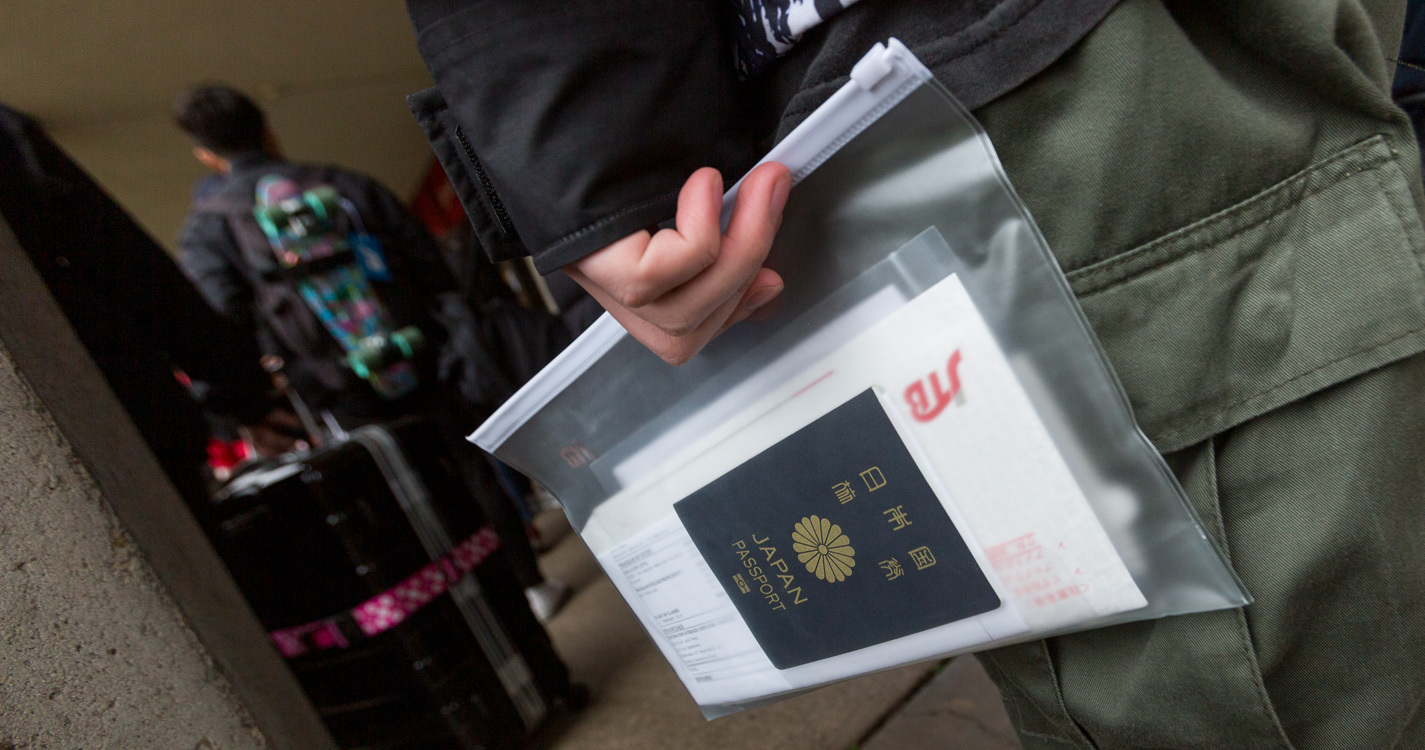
x=1236 y=203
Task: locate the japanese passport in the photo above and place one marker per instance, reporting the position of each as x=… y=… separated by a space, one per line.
x=831 y=541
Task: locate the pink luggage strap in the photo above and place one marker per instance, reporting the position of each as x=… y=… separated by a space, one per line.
x=389 y=608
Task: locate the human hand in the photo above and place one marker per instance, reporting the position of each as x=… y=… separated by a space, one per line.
x=278 y=433
x=676 y=290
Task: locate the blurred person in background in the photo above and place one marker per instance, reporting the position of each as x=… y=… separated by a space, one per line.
x=230 y=260
x=236 y=272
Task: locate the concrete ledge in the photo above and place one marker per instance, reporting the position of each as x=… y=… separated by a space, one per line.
x=122 y=629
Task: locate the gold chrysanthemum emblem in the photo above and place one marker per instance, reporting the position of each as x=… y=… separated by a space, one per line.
x=822 y=547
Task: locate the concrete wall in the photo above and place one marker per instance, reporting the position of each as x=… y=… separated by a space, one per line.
x=95 y=654
x=120 y=627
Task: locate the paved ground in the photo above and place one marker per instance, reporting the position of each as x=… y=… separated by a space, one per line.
x=639 y=704
x=958 y=708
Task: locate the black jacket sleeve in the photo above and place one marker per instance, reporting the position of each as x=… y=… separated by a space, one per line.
x=568 y=125
x=206 y=253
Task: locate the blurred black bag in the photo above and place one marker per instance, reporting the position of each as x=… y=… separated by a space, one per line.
x=495 y=345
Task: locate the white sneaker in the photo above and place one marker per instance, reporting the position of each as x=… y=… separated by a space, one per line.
x=546 y=598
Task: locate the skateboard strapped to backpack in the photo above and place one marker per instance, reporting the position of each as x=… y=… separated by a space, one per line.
x=331 y=266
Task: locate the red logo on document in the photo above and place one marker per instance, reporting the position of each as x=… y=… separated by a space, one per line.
x=930 y=395
x=576 y=455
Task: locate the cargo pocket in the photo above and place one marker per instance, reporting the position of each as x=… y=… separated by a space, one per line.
x=1241 y=339
x=1029 y=685
x=477 y=193
x=1177 y=682
x=1311 y=282
x=1313 y=508
x=1238 y=339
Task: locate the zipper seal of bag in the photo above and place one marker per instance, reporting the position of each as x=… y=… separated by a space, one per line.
x=883 y=78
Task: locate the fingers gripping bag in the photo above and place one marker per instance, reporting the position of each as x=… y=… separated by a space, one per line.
x=923 y=452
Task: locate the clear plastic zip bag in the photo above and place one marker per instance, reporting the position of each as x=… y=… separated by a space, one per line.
x=923 y=452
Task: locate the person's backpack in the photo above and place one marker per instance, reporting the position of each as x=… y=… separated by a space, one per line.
x=308 y=261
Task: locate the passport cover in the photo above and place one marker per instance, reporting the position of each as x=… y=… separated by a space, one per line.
x=831 y=540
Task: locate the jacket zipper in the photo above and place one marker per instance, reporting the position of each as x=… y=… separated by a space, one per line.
x=507 y=227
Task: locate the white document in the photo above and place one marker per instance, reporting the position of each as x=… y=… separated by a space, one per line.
x=975 y=435
x=678 y=600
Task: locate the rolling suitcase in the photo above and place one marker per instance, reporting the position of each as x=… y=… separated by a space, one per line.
x=386 y=590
